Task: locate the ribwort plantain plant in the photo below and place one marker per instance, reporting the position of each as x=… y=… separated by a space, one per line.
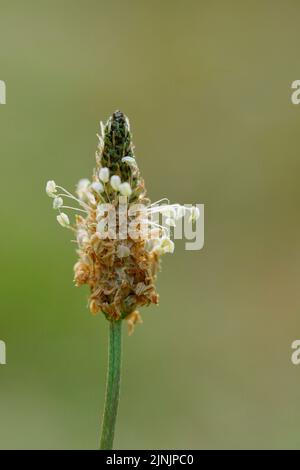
x=119 y=245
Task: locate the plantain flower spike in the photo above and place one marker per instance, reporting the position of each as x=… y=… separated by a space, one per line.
x=120 y=268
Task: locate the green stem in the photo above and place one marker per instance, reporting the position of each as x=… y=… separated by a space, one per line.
x=112 y=385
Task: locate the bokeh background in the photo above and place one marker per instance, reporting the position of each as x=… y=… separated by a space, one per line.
x=206 y=85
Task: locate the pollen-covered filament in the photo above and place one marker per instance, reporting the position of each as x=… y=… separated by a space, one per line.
x=173 y=211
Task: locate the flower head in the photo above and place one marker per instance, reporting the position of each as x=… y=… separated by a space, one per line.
x=104 y=175
x=117 y=258
x=125 y=189
x=115 y=182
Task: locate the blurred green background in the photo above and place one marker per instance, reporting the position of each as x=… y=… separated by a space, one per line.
x=206 y=86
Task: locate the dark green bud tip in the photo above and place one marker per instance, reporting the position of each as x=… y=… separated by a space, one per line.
x=117 y=144
x=117 y=138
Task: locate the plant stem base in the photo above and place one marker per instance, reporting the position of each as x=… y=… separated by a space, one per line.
x=112 y=385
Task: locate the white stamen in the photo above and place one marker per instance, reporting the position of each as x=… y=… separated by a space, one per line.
x=68 y=194
x=82 y=188
x=63 y=220
x=159 y=201
x=74 y=209
x=115 y=182
x=104 y=174
x=51 y=188
x=97 y=187
x=57 y=203
x=129 y=160
x=152 y=244
x=125 y=189
x=146 y=222
x=167 y=245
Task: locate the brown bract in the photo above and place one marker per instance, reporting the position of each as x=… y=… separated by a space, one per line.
x=118 y=286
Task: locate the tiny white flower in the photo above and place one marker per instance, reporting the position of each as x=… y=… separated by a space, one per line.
x=58 y=202
x=97 y=187
x=123 y=251
x=125 y=189
x=195 y=213
x=83 y=184
x=63 y=220
x=104 y=174
x=115 y=182
x=167 y=245
x=51 y=188
x=82 y=187
x=129 y=160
